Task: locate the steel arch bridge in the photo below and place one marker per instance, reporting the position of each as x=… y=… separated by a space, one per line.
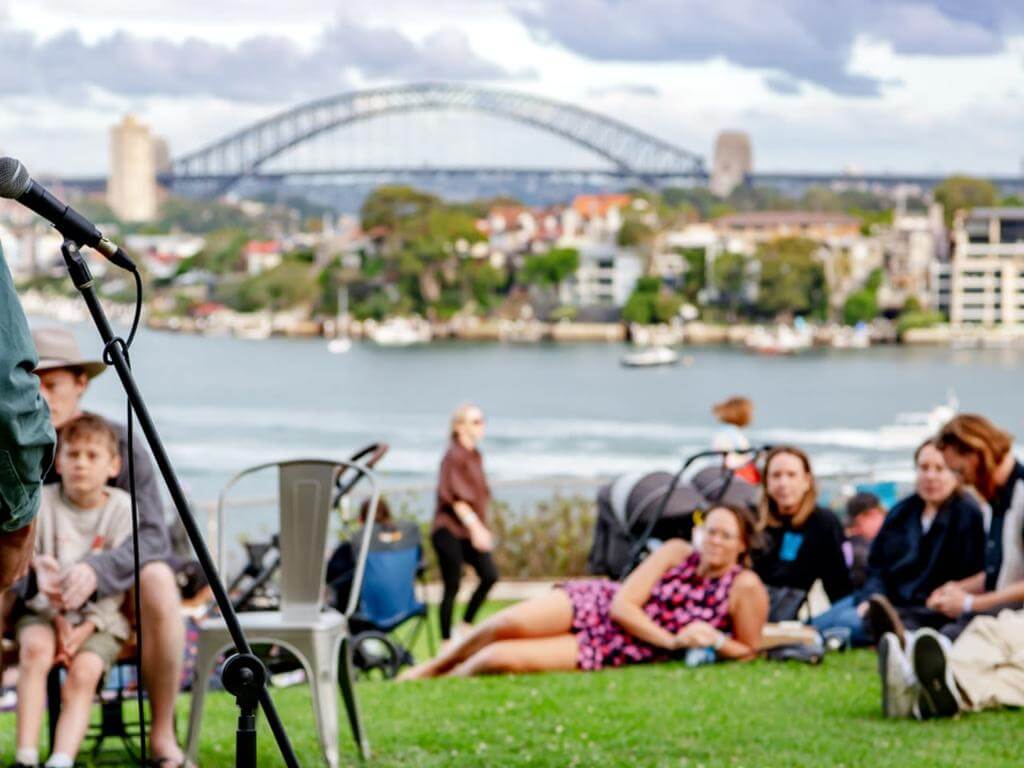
x=632 y=154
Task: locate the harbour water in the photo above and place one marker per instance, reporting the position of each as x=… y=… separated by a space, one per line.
x=554 y=411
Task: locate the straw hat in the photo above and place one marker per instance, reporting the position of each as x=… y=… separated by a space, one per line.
x=58 y=348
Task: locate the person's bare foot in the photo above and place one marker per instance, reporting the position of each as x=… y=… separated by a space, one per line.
x=166 y=753
x=417 y=672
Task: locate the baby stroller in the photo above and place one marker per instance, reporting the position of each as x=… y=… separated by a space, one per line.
x=388 y=600
x=636 y=512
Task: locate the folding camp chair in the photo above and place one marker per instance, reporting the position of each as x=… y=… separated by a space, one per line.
x=388 y=598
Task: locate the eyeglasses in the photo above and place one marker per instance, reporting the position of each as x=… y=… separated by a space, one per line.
x=718 y=533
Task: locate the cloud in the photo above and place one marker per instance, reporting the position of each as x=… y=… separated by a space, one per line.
x=625 y=89
x=791 y=40
x=264 y=68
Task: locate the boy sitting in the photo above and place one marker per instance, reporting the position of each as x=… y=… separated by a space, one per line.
x=78 y=517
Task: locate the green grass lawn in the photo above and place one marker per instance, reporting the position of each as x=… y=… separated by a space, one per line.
x=759 y=714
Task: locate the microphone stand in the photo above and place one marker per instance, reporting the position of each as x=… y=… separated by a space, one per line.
x=244 y=675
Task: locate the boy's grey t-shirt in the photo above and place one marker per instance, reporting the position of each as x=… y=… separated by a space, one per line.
x=71 y=535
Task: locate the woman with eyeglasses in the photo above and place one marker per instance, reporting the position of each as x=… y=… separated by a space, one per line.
x=679 y=598
x=459 y=532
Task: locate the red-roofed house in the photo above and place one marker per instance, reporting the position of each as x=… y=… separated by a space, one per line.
x=261 y=255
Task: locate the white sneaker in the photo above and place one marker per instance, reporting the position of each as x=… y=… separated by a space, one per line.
x=899 y=686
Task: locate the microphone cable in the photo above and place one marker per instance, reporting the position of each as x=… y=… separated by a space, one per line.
x=130 y=440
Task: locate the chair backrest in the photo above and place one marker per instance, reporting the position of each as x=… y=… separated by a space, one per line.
x=305 y=496
x=305 y=491
x=388 y=593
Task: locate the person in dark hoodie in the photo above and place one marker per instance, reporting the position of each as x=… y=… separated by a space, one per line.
x=933 y=536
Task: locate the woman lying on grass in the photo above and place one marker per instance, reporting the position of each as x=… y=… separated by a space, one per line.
x=678 y=598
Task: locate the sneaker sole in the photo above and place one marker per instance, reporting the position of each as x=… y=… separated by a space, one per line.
x=883 y=664
x=884 y=610
x=931 y=671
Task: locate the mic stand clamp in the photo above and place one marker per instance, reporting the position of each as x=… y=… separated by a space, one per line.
x=244 y=676
x=248 y=679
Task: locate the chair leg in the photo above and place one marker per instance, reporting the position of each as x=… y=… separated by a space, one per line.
x=206 y=660
x=348 y=693
x=52 y=704
x=324 y=693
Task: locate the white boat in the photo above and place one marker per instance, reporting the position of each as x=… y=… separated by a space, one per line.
x=400 y=332
x=341 y=343
x=917 y=426
x=649 y=357
x=781 y=340
x=858 y=337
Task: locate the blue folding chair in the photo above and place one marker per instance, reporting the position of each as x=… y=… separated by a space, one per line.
x=387 y=600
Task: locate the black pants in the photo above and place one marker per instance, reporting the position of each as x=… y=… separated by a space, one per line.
x=452 y=552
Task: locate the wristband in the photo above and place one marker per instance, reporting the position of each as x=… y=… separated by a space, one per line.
x=719 y=641
x=968 y=604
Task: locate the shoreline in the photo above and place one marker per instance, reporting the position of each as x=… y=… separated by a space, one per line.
x=261 y=325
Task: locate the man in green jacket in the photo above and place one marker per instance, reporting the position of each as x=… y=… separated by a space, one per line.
x=26 y=435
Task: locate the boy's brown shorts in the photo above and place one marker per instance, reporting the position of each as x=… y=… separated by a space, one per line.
x=103 y=644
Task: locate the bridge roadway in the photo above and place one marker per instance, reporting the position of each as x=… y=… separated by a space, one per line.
x=385 y=174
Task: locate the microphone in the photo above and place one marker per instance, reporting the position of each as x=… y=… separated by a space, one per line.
x=16 y=184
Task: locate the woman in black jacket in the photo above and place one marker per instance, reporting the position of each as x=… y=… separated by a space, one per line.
x=803 y=542
x=934 y=536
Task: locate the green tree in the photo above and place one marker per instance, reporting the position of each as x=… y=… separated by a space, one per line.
x=287 y=285
x=792 y=279
x=860 y=306
x=550 y=269
x=651 y=302
x=221 y=254
x=959 y=192
x=730 y=274
x=634 y=233
x=695 y=279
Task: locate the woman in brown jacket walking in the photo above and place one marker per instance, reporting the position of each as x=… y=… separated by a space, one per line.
x=459 y=533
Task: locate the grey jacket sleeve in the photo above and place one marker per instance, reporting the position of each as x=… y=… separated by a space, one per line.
x=26 y=435
x=115 y=567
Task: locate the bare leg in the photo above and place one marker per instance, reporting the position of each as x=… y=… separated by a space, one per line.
x=547 y=616
x=163 y=646
x=76 y=702
x=542 y=654
x=37 y=643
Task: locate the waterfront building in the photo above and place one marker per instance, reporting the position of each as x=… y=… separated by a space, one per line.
x=131 y=188
x=732 y=162
x=262 y=255
x=163 y=254
x=608 y=272
x=987 y=268
x=606 y=276
x=914 y=249
x=764 y=226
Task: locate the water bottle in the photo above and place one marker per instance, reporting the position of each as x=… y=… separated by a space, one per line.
x=695 y=657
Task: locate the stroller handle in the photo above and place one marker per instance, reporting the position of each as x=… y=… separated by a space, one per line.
x=753 y=451
x=375 y=451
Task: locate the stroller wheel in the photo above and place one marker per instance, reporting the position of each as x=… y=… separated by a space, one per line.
x=374 y=654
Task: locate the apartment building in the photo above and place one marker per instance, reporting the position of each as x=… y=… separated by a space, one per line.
x=986 y=274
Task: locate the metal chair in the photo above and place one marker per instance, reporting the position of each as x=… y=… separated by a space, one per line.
x=317 y=635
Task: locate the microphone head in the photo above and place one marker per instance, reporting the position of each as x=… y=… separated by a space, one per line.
x=14 y=178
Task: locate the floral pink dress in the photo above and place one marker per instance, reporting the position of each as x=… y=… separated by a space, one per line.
x=681 y=596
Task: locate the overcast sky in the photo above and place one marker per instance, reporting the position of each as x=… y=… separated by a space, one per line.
x=910 y=85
